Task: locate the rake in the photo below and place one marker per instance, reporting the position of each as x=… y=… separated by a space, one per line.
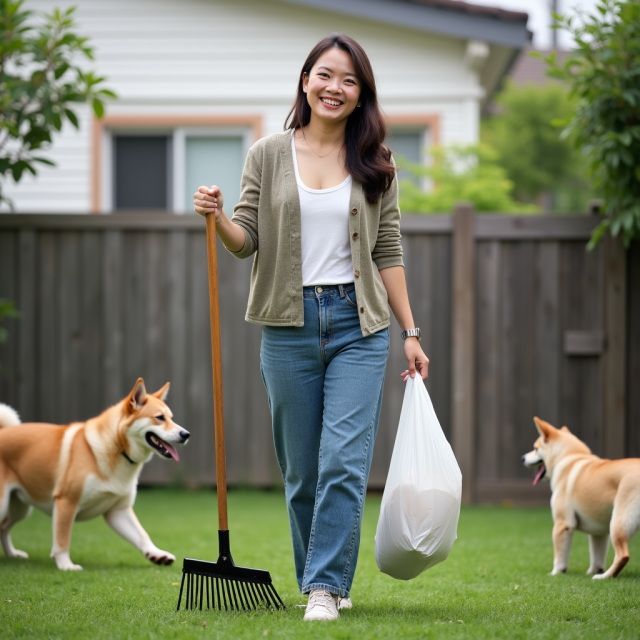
x=223 y=585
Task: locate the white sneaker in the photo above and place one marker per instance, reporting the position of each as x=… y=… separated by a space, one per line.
x=322 y=605
x=344 y=603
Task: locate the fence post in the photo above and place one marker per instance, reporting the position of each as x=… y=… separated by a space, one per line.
x=463 y=331
x=615 y=355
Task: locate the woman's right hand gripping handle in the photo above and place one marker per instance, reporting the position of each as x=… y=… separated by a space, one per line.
x=207 y=200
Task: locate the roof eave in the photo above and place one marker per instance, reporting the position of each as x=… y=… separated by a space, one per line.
x=509 y=33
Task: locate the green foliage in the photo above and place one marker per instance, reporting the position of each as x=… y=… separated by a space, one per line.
x=7 y=310
x=538 y=160
x=604 y=76
x=41 y=80
x=460 y=173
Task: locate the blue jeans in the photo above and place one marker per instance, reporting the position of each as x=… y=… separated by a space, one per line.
x=324 y=382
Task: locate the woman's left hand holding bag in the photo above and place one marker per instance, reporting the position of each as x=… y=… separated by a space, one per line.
x=418 y=361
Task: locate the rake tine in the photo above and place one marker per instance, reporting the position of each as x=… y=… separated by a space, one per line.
x=241 y=597
x=218 y=590
x=194 y=587
x=247 y=596
x=273 y=592
x=180 y=596
x=235 y=591
x=188 y=596
x=253 y=596
x=201 y=590
x=224 y=595
x=206 y=584
x=229 y=594
x=266 y=593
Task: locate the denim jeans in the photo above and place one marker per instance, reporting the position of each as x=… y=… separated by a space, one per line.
x=324 y=382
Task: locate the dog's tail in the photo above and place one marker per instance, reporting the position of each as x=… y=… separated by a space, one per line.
x=8 y=417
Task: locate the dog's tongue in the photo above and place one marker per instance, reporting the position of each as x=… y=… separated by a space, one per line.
x=539 y=475
x=172 y=451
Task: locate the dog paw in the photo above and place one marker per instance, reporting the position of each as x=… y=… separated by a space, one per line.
x=160 y=557
x=70 y=567
x=591 y=572
x=16 y=553
x=600 y=576
x=557 y=572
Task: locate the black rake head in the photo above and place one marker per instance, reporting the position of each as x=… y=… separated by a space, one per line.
x=223 y=586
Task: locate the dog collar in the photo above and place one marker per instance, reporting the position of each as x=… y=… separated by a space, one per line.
x=128 y=458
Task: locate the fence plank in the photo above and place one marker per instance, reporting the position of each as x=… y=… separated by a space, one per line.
x=463 y=383
x=47 y=337
x=26 y=364
x=113 y=297
x=582 y=377
x=9 y=291
x=615 y=292
x=633 y=349
x=517 y=357
x=488 y=358
x=547 y=329
x=91 y=400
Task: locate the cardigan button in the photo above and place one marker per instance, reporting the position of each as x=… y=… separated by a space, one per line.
x=355 y=236
x=354 y=211
x=361 y=309
x=357 y=274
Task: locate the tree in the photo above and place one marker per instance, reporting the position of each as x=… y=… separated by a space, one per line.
x=470 y=173
x=541 y=163
x=41 y=79
x=604 y=76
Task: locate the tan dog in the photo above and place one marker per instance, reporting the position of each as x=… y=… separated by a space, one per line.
x=589 y=494
x=85 y=469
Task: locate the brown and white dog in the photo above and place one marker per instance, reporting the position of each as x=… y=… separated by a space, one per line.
x=85 y=469
x=599 y=497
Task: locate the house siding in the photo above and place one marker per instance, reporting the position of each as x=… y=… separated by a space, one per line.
x=234 y=57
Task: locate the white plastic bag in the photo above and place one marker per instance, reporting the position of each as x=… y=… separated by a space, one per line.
x=421 y=501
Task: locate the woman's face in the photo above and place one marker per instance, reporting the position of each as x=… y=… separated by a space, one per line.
x=332 y=87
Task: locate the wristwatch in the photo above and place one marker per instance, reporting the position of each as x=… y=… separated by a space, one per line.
x=411 y=333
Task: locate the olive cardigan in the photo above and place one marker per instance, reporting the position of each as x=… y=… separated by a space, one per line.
x=269 y=215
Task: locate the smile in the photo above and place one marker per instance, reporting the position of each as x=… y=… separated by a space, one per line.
x=331 y=102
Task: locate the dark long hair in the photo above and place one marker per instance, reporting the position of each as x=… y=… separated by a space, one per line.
x=368 y=159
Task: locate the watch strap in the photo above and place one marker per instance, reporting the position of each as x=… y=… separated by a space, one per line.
x=411 y=333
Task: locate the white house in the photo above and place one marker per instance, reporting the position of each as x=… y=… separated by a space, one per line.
x=200 y=80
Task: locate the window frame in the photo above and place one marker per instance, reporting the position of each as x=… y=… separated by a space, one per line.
x=178 y=128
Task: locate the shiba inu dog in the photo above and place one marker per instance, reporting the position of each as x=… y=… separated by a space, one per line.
x=599 y=497
x=85 y=469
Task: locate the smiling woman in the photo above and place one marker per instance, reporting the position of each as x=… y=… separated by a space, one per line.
x=319 y=209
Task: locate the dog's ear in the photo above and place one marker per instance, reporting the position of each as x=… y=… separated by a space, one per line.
x=565 y=429
x=138 y=395
x=162 y=393
x=545 y=430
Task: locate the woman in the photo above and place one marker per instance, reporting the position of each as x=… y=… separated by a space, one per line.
x=319 y=206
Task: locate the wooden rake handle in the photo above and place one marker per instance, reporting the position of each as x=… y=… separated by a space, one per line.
x=216 y=363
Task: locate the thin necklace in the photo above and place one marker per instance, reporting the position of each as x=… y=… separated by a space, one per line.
x=314 y=151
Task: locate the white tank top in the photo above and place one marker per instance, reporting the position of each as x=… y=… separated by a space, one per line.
x=326 y=251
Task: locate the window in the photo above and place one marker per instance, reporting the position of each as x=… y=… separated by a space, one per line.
x=141 y=172
x=161 y=170
x=410 y=144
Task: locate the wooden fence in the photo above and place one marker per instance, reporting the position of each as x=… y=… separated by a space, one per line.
x=518 y=320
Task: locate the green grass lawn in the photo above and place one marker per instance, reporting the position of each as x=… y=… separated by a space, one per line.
x=495 y=584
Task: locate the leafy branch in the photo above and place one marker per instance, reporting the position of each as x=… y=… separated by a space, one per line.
x=42 y=80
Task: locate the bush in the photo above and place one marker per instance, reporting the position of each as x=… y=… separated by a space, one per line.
x=604 y=76
x=471 y=173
